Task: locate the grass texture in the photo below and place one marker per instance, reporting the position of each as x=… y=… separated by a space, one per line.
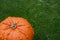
x=44 y=15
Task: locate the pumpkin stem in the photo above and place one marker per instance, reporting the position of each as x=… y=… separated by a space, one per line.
x=13 y=26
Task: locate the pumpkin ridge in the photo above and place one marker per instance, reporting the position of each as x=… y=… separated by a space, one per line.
x=23 y=33
x=5 y=24
x=10 y=20
x=4 y=28
x=6 y=34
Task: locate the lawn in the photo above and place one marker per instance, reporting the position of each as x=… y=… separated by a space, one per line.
x=44 y=16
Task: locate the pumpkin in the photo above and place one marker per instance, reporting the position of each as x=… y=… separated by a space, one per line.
x=15 y=28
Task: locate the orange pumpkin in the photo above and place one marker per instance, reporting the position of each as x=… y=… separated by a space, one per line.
x=15 y=28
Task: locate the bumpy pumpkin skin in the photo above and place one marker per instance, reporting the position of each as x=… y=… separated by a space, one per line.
x=15 y=28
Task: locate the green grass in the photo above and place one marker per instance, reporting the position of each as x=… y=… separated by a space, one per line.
x=44 y=15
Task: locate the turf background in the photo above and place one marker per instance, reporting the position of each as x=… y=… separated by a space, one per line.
x=44 y=15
